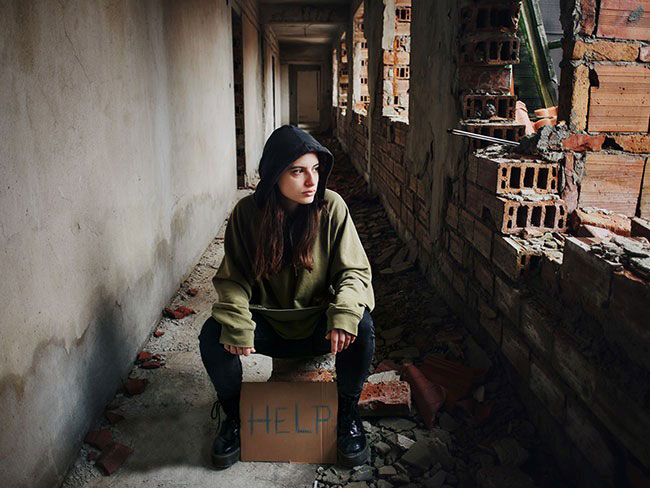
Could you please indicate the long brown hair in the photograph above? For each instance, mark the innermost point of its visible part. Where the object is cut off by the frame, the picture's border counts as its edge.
(283, 240)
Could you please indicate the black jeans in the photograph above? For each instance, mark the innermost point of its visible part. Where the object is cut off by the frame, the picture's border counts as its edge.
(225, 369)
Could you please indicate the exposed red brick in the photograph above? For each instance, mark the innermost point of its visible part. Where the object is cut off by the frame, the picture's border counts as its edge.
(624, 19)
(603, 51)
(429, 397)
(499, 17)
(100, 439)
(391, 398)
(456, 378)
(135, 386)
(587, 19)
(387, 365)
(152, 364)
(644, 54)
(193, 292)
(143, 356)
(511, 257)
(496, 50)
(612, 181)
(509, 130)
(636, 143)
(512, 216)
(113, 418)
(573, 103)
(481, 79)
(583, 142)
(503, 175)
(178, 312)
(489, 106)
(617, 224)
(620, 102)
(113, 457)
(158, 333)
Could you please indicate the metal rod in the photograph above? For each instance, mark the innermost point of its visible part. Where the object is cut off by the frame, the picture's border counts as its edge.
(472, 135)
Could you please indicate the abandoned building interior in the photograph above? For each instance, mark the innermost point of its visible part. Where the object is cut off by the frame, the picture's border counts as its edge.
(512, 280)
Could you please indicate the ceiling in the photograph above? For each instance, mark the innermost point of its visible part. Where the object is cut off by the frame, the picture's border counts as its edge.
(305, 21)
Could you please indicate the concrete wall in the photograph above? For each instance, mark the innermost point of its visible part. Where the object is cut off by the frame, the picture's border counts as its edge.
(271, 93)
(284, 93)
(117, 167)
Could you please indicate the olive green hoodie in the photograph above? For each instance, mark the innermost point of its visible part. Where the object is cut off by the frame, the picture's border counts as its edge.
(293, 300)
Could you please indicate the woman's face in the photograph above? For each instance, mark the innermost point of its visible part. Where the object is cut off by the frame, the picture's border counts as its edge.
(298, 183)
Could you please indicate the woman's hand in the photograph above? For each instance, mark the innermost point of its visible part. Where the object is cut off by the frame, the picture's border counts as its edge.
(339, 339)
(238, 351)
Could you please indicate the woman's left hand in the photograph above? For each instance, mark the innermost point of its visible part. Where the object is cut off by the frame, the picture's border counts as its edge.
(339, 339)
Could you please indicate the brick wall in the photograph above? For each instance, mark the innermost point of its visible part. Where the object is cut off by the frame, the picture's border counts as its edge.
(570, 325)
(605, 99)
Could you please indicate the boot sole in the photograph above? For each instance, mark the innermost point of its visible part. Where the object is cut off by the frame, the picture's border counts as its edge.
(223, 461)
(355, 459)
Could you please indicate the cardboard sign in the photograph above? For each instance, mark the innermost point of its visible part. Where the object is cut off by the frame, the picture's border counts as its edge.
(288, 422)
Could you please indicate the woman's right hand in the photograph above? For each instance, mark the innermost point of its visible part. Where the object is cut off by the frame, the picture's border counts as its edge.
(238, 351)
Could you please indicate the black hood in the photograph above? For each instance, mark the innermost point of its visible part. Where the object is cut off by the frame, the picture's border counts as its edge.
(283, 147)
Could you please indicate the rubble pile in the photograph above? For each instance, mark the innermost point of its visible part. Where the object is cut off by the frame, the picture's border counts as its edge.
(632, 254)
(479, 435)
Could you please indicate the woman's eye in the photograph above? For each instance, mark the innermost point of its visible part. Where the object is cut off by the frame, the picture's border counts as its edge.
(296, 171)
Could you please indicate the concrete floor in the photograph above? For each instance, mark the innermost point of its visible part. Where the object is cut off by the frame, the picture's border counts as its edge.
(169, 425)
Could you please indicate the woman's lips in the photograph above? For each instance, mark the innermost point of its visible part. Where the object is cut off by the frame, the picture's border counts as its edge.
(309, 193)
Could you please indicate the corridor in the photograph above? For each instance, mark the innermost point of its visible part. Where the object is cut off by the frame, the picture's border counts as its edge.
(170, 430)
(495, 156)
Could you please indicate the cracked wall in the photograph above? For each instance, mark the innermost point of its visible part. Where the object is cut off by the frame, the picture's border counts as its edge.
(114, 182)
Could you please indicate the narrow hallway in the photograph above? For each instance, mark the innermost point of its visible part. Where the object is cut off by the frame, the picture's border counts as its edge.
(483, 441)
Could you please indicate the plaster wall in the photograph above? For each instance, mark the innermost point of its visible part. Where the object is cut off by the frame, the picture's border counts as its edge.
(253, 95)
(271, 88)
(284, 93)
(117, 168)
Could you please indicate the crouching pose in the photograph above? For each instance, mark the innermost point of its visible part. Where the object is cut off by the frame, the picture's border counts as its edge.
(295, 281)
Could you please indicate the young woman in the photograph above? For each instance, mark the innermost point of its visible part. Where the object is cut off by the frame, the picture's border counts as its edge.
(295, 281)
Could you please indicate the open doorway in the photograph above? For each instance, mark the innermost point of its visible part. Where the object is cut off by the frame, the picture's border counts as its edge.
(305, 102)
(238, 71)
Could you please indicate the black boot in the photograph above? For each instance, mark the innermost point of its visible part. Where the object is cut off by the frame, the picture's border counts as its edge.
(351, 443)
(226, 447)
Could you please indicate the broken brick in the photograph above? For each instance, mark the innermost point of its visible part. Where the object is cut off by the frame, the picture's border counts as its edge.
(101, 438)
(618, 224)
(499, 51)
(583, 142)
(454, 377)
(484, 79)
(159, 333)
(428, 396)
(391, 398)
(636, 143)
(143, 356)
(154, 364)
(603, 51)
(489, 106)
(574, 96)
(113, 418)
(178, 312)
(135, 386)
(387, 365)
(644, 54)
(505, 175)
(113, 457)
(193, 292)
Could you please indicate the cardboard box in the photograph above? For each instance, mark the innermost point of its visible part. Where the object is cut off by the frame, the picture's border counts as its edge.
(289, 422)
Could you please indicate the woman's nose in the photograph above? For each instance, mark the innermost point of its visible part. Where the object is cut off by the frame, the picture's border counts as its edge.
(312, 179)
